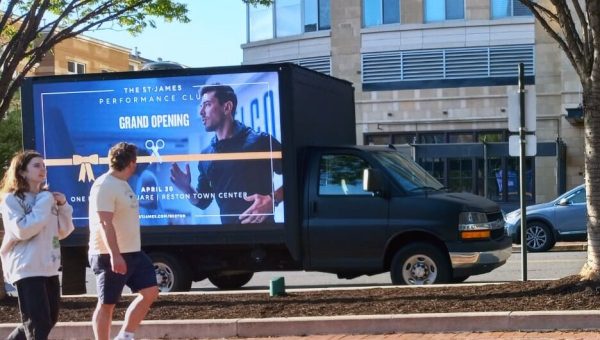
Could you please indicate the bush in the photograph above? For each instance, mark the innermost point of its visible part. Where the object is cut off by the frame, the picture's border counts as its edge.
(11, 136)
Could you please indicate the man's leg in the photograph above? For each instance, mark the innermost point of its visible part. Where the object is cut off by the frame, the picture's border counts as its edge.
(101, 321)
(137, 310)
(109, 286)
(143, 281)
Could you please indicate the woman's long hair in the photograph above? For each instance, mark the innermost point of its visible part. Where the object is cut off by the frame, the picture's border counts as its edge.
(13, 182)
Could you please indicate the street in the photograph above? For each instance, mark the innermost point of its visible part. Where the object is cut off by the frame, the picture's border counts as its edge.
(549, 265)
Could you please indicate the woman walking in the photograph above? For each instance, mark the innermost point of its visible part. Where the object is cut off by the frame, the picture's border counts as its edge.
(35, 219)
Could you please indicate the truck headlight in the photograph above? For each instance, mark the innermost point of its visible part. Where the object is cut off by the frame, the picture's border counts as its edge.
(475, 225)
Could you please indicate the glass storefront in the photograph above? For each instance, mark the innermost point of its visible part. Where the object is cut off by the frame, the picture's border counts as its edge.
(468, 161)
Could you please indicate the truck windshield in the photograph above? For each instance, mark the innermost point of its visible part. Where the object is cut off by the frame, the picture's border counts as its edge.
(409, 174)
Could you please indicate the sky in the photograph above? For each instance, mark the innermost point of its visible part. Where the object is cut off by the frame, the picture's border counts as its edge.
(212, 37)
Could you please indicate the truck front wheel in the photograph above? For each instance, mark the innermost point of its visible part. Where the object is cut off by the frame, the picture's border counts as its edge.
(419, 264)
(171, 274)
(230, 281)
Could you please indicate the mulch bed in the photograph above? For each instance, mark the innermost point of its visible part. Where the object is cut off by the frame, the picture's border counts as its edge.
(565, 294)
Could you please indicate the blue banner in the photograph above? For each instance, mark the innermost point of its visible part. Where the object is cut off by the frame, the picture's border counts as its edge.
(231, 165)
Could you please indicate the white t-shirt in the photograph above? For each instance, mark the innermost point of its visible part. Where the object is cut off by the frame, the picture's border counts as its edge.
(114, 195)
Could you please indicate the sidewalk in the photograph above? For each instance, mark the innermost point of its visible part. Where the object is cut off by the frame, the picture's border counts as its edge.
(490, 325)
(559, 246)
(507, 323)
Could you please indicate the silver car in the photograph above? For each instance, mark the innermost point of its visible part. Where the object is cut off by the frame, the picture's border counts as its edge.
(563, 219)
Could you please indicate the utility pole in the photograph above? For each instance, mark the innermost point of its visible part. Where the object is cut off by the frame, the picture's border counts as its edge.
(522, 170)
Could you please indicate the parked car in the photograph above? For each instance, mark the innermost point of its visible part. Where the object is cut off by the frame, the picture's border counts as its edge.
(563, 219)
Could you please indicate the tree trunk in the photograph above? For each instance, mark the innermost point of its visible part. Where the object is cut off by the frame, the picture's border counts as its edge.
(2, 290)
(591, 109)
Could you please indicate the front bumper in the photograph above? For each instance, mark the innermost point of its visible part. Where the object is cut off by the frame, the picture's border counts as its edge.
(467, 263)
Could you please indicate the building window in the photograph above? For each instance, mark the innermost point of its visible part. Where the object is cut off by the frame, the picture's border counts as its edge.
(404, 138)
(460, 137)
(440, 10)
(287, 17)
(508, 8)
(316, 15)
(379, 12)
(432, 138)
(377, 139)
(74, 67)
(437, 137)
(260, 21)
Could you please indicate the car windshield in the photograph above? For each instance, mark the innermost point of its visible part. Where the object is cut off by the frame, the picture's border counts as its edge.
(409, 174)
(576, 195)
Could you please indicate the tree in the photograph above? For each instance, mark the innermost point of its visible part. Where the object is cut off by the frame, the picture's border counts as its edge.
(10, 142)
(575, 26)
(30, 28)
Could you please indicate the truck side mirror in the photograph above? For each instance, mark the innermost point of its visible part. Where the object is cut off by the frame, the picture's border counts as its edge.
(372, 181)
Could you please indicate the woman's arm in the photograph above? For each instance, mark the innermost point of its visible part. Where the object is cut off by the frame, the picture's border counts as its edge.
(24, 224)
(65, 220)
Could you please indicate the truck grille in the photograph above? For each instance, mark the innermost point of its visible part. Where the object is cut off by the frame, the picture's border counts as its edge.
(494, 216)
(499, 231)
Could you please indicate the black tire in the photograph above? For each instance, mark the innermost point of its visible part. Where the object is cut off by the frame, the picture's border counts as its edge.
(172, 274)
(539, 237)
(419, 264)
(230, 281)
(74, 262)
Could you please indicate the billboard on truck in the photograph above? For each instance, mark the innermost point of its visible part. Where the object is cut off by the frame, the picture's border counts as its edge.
(170, 119)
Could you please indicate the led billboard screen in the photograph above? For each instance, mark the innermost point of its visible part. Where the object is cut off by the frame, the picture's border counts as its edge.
(220, 132)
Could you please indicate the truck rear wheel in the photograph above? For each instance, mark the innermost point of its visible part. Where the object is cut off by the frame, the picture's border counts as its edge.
(230, 281)
(419, 264)
(171, 274)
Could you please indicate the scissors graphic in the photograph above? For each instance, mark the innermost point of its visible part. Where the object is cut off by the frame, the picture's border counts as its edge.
(155, 146)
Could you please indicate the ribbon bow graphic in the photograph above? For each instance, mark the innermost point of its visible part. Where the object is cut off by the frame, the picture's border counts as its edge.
(86, 166)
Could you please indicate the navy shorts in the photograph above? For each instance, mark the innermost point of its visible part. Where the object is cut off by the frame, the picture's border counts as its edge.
(140, 274)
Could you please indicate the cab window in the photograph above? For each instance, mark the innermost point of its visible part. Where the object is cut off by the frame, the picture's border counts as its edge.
(341, 175)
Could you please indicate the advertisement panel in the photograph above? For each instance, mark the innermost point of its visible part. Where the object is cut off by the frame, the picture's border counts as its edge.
(188, 129)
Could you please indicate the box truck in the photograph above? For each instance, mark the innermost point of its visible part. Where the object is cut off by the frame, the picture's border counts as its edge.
(282, 187)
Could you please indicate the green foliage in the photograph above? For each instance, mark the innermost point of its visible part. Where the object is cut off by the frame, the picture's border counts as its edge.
(11, 136)
(259, 2)
(29, 29)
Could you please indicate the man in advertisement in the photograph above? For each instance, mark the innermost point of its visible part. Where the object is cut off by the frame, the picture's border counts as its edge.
(241, 181)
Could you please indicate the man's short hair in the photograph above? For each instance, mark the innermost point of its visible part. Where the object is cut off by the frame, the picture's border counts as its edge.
(121, 155)
(223, 93)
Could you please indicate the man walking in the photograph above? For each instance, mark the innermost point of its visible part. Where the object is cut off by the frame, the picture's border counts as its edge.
(115, 247)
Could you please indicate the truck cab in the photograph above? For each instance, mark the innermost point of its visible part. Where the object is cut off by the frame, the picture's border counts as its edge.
(372, 210)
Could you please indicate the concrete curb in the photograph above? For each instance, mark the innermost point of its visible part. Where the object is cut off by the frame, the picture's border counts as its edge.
(352, 324)
(560, 246)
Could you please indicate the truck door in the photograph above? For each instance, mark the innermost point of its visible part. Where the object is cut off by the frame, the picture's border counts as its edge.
(347, 226)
